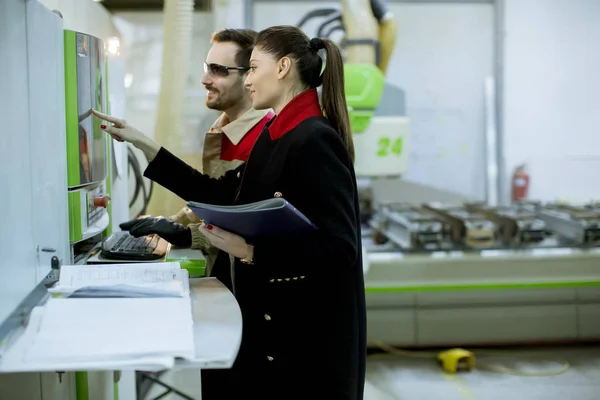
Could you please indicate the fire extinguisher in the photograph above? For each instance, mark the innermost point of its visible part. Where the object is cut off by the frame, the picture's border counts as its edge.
(520, 184)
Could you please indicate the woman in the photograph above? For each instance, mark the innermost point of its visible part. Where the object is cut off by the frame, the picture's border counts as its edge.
(301, 296)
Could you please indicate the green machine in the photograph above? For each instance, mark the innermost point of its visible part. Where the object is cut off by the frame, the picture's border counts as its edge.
(88, 147)
(376, 106)
(378, 120)
(364, 83)
(364, 87)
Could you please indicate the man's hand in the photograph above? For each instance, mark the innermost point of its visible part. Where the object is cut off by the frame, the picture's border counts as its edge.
(126, 226)
(172, 232)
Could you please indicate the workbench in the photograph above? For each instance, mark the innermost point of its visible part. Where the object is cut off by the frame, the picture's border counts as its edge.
(217, 337)
(498, 297)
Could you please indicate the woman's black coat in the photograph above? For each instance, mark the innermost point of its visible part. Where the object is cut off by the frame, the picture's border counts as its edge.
(303, 300)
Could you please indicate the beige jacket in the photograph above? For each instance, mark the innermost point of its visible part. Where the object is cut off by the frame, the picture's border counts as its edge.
(213, 166)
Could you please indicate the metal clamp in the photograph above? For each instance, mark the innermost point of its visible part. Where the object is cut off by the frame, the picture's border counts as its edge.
(361, 42)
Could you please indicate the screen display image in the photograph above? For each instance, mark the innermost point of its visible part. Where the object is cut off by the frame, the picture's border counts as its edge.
(90, 95)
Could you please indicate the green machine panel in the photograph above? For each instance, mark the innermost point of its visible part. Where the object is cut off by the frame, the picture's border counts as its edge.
(364, 85)
(87, 212)
(88, 147)
(110, 154)
(85, 80)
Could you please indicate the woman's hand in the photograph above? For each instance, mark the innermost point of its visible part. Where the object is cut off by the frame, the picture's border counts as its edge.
(227, 241)
(121, 131)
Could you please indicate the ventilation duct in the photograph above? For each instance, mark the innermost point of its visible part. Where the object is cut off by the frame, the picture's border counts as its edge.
(169, 128)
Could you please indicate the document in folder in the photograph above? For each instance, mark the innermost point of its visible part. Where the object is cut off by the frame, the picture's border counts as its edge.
(264, 218)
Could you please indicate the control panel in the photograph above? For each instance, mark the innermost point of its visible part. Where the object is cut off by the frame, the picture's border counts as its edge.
(97, 201)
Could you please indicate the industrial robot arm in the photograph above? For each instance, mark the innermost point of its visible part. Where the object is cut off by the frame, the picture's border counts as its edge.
(370, 36)
(388, 30)
(361, 39)
(371, 30)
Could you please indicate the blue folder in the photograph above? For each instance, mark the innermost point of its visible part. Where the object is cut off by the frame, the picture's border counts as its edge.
(269, 217)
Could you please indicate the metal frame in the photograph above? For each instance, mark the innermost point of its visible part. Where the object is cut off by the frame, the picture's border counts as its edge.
(248, 14)
(498, 43)
(499, 27)
(145, 381)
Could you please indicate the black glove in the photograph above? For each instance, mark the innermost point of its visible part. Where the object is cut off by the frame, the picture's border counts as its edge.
(126, 226)
(172, 232)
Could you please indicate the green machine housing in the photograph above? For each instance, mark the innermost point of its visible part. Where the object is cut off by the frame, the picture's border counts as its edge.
(88, 147)
(364, 85)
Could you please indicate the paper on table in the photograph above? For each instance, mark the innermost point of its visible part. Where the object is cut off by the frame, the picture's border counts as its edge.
(163, 289)
(84, 275)
(139, 280)
(14, 359)
(81, 330)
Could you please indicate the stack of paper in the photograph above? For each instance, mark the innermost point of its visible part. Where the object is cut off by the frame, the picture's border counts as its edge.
(123, 280)
(99, 330)
(110, 316)
(14, 360)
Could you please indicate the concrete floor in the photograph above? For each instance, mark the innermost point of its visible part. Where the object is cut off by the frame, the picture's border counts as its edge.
(393, 377)
(400, 378)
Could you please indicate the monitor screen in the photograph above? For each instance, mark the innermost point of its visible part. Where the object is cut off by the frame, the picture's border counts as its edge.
(90, 95)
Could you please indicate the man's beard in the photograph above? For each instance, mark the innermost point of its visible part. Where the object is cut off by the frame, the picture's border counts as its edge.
(219, 105)
(214, 105)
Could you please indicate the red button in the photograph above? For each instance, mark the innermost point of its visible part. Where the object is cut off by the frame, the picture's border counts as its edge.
(101, 201)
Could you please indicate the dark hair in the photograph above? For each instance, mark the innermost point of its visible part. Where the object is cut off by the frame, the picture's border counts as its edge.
(282, 41)
(244, 38)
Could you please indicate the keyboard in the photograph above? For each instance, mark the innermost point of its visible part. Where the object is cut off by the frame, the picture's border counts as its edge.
(123, 246)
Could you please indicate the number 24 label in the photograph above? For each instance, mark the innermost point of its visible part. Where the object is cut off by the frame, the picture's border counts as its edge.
(386, 146)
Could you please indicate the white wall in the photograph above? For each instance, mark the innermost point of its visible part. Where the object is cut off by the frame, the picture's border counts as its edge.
(85, 16)
(551, 103)
(442, 56)
(142, 35)
(552, 96)
(227, 14)
(118, 107)
(142, 44)
(141, 38)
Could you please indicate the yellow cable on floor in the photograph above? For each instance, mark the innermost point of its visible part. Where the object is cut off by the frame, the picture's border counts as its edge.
(485, 367)
(460, 385)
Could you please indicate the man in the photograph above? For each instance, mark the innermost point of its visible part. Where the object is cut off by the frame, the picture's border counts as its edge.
(228, 143)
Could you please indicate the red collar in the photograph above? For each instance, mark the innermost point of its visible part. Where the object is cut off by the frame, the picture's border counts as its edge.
(303, 106)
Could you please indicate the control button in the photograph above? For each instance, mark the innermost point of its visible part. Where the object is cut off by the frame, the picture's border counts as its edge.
(267, 317)
(269, 358)
(101, 201)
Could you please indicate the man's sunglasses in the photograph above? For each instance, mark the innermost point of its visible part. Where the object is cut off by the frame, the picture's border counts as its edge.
(221, 70)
